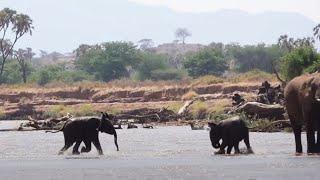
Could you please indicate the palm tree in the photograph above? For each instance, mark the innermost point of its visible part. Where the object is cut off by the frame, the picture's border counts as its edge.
(316, 32)
(19, 24)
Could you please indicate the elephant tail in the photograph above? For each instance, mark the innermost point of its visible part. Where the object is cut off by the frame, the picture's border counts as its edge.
(61, 129)
(116, 139)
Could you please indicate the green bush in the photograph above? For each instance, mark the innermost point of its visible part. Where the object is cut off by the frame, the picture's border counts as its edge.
(109, 61)
(298, 61)
(205, 62)
(167, 74)
(43, 78)
(150, 63)
(59, 73)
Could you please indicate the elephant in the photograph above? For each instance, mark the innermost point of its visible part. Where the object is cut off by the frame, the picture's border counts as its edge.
(231, 131)
(86, 130)
(303, 105)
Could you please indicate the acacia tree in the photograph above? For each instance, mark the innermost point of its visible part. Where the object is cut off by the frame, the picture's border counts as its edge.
(12, 27)
(182, 34)
(145, 44)
(24, 57)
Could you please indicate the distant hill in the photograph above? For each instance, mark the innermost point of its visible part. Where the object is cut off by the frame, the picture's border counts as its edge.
(95, 21)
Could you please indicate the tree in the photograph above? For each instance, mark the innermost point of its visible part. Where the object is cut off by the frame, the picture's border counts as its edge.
(24, 57)
(150, 62)
(19, 24)
(205, 62)
(302, 59)
(316, 32)
(108, 61)
(286, 43)
(182, 34)
(145, 44)
(251, 57)
(289, 44)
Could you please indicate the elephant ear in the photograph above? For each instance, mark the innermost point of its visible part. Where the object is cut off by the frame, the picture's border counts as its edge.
(307, 86)
(103, 116)
(107, 115)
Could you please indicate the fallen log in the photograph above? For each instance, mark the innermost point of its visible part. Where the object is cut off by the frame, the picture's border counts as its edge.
(283, 123)
(185, 107)
(274, 111)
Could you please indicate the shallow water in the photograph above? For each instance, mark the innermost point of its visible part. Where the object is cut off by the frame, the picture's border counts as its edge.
(161, 153)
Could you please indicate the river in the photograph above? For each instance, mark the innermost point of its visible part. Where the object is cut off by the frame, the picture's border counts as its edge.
(174, 152)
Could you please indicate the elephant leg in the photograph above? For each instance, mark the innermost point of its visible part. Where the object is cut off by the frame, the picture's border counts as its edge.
(297, 137)
(318, 141)
(247, 142)
(65, 147)
(307, 117)
(236, 148)
(76, 147)
(230, 146)
(310, 139)
(87, 147)
(96, 143)
(222, 147)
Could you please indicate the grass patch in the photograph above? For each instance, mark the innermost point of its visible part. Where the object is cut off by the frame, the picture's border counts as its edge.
(207, 80)
(56, 111)
(199, 110)
(175, 106)
(219, 106)
(252, 76)
(2, 112)
(189, 95)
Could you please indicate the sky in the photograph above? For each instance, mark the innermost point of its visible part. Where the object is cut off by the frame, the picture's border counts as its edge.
(309, 8)
(62, 25)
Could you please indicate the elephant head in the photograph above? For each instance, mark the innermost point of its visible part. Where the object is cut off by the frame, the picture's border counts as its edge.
(107, 127)
(311, 88)
(215, 134)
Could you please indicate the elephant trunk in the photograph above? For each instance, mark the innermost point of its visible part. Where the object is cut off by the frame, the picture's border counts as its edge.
(116, 140)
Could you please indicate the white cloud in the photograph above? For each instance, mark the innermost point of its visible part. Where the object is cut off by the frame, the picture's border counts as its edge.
(309, 8)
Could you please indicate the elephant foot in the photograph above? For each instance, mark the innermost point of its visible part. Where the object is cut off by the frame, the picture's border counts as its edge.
(75, 152)
(60, 152)
(84, 150)
(250, 151)
(220, 152)
(298, 154)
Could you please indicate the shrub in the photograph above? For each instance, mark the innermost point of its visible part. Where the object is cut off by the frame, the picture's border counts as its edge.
(298, 61)
(207, 80)
(252, 76)
(167, 74)
(205, 62)
(43, 78)
(189, 95)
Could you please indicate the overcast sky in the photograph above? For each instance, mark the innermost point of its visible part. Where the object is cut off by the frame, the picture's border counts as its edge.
(62, 25)
(309, 8)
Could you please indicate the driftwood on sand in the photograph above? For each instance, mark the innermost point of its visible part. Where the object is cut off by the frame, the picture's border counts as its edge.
(269, 111)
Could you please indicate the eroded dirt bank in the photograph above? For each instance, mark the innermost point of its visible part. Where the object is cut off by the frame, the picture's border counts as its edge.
(44, 102)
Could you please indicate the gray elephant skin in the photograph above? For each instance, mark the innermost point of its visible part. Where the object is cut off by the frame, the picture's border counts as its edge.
(86, 130)
(231, 131)
(302, 102)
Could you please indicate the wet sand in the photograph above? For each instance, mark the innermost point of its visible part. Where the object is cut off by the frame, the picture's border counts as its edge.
(161, 153)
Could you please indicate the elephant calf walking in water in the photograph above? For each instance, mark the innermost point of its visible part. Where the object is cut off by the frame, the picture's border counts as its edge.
(86, 130)
(231, 131)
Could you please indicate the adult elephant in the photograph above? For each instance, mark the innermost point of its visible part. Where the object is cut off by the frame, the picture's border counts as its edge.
(86, 130)
(303, 105)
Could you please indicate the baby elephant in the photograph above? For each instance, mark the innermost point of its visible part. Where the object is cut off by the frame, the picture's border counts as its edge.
(231, 131)
(86, 130)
